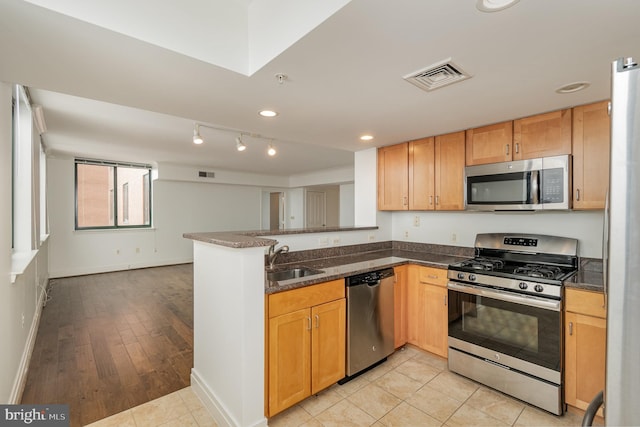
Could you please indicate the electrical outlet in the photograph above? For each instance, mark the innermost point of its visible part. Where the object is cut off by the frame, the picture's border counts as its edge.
(336, 240)
(323, 241)
(117, 251)
(416, 221)
(137, 250)
(454, 237)
(22, 320)
(372, 237)
(406, 234)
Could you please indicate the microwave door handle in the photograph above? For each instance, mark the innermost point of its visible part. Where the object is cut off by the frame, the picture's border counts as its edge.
(534, 196)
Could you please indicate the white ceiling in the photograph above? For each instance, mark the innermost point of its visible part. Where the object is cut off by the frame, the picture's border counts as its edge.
(113, 96)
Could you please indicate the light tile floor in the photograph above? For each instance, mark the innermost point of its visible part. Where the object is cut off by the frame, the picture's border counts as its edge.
(412, 388)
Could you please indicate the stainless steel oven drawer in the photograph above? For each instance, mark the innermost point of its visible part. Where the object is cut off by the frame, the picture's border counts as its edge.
(526, 388)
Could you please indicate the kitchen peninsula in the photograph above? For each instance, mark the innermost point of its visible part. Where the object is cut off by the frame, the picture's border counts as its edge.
(229, 307)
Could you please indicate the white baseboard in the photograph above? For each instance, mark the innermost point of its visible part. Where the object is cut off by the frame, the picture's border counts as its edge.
(21, 376)
(214, 406)
(82, 271)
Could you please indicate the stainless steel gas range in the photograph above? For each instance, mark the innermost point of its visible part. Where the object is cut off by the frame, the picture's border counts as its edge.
(505, 315)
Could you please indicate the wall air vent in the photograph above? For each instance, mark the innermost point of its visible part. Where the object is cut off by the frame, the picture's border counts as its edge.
(437, 75)
(203, 174)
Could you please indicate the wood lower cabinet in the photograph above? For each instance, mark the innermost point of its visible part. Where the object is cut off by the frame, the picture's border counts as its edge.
(591, 147)
(400, 306)
(585, 337)
(427, 310)
(306, 337)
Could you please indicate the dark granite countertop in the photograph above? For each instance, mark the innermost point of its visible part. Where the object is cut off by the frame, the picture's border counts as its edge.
(589, 277)
(349, 265)
(256, 238)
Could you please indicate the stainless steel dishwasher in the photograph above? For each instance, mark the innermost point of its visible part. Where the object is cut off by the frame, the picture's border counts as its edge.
(370, 336)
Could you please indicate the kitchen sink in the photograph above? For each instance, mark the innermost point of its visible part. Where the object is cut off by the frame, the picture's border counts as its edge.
(291, 273)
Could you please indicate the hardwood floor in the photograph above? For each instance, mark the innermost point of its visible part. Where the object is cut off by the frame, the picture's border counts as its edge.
(109, 342)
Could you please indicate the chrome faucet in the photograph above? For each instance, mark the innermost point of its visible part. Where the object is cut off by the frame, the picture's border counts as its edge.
(273, 254)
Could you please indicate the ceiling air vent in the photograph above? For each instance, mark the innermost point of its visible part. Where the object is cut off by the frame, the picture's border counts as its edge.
(203, 174)
(437, 75)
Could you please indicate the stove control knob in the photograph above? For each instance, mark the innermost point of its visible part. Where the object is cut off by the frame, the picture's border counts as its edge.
(461, 276)
(472, 277)
(538, 288)
(523, 285)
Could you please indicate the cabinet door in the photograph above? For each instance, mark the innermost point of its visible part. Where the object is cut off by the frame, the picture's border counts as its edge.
(436, 319)
(591, 146)
(421, 174)
(489, 144)
(543, 135)
(289, 359)
(328, 356)
(449, 179)
(393, 182)
(400, 306)
(585, 350)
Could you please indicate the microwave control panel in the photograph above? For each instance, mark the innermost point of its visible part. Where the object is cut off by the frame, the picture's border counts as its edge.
(552, 190)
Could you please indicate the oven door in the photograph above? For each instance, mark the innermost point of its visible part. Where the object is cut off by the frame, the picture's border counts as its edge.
(517, 331)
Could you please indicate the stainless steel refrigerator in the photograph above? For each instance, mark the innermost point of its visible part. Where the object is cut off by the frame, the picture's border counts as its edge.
(622, 272)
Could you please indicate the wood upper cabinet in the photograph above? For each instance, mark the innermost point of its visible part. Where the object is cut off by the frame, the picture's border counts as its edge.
(585, 336)
(489, 144)
(425, 174)
(427, 311)
(422, 174)
(449, 171)
(591, 150)
(393, 170)
(543, 135)
(306, 340)
(400, 306)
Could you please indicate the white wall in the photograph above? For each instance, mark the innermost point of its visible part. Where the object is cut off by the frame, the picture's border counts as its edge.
(20, 298)
(346, 205)
(440, 227)
(178, 207)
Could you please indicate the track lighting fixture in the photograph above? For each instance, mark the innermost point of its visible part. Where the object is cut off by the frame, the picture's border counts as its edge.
(197, 139)
(239, 144)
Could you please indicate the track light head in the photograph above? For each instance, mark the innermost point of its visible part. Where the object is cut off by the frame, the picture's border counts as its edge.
(197, 139)
(271, 151)
(239, 144)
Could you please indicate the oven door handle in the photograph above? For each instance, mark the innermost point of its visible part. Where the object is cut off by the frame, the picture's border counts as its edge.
(506, 296)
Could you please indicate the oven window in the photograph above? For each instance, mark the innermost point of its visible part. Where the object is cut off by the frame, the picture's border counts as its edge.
(528, 333)
(506, 327)
(508, 188)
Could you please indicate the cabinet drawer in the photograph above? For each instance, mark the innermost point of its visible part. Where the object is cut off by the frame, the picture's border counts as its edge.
(432, 276)
(585, 302)
(296, 299)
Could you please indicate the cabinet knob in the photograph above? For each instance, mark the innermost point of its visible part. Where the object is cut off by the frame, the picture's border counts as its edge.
(570, 328)
(577, 194)
(404, 201)
(317, 321)
(437, 200)
(517, 147)
(309, 326)
(430, 200)
(506, 149)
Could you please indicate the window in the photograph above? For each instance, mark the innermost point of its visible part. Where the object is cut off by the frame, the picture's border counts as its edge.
(112, 195)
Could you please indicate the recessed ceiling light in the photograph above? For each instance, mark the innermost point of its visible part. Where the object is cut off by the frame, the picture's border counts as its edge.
(494, 5)
(366, 137)
(268, 113)
(573, 87)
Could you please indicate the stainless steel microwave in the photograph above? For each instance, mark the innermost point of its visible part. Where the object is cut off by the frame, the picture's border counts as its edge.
(533, 184)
